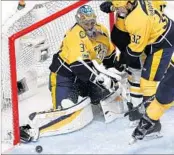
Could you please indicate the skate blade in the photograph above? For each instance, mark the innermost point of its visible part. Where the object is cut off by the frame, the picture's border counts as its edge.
(146, 138)
(152, 136)
(132, 141)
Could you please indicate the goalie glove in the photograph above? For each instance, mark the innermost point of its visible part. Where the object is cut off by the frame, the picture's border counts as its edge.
(106, 82)
(28, 134)
(100, 68)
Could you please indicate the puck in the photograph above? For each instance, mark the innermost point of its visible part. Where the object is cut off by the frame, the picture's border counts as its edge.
(39, 149)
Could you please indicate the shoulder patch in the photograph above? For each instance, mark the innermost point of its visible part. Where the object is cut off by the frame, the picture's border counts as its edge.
(82, 34)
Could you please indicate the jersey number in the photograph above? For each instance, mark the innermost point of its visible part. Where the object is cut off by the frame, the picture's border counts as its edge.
(82, 47)
(136, 38)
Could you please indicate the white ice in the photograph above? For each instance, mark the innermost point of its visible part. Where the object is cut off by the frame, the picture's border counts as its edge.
(97, 137)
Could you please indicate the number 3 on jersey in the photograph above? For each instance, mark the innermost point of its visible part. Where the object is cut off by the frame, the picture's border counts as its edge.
(82, 47)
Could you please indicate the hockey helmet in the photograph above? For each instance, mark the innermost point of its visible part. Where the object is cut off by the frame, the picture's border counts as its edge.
(86, 17)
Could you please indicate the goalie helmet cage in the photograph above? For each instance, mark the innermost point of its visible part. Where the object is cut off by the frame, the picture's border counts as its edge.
(17, 56)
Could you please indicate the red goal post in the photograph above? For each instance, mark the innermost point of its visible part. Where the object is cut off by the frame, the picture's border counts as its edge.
(13, 61)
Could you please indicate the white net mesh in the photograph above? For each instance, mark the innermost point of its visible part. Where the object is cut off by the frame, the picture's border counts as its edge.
(26, 61)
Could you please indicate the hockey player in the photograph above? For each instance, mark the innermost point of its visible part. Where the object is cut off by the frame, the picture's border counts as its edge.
(73, 75)
(134, 70)
(149, 123)
(150, 31)
(89, 41)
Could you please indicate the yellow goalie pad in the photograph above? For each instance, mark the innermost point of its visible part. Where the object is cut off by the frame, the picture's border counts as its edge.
(57, 122)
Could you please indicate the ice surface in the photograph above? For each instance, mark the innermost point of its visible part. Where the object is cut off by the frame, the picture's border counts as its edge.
(97, 137)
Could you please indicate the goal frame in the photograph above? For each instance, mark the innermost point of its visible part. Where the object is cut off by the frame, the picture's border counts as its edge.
(12, 59)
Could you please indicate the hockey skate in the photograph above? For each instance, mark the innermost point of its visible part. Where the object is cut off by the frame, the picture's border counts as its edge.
(147, 128)
(28, 134)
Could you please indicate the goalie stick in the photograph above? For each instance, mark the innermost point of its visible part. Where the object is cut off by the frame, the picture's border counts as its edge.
(115, 77)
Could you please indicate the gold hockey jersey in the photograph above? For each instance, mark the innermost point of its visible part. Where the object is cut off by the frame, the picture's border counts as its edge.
(157, 4)
(145, 24)
(77, 44)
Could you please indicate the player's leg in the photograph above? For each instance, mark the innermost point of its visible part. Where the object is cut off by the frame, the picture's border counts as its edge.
(121, 39)
(149, 123)
(164, 95)
(136, 96)
(62, 88)
(134, 76)
(153, 71)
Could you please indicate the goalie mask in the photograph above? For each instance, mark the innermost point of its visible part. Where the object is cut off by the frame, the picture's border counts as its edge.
(86, 18)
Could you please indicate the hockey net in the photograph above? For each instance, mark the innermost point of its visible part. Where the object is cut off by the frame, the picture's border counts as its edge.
(29, 39)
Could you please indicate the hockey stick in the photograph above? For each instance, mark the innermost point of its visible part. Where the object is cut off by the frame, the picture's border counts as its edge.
(113, 76)
(141, 104)
(87, 66)
(111, 110)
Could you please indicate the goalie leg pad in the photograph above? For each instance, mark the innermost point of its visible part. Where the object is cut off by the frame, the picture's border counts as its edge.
(68, 123)
(56, 122)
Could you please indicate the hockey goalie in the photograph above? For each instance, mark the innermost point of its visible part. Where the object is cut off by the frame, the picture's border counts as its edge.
(83, 72)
